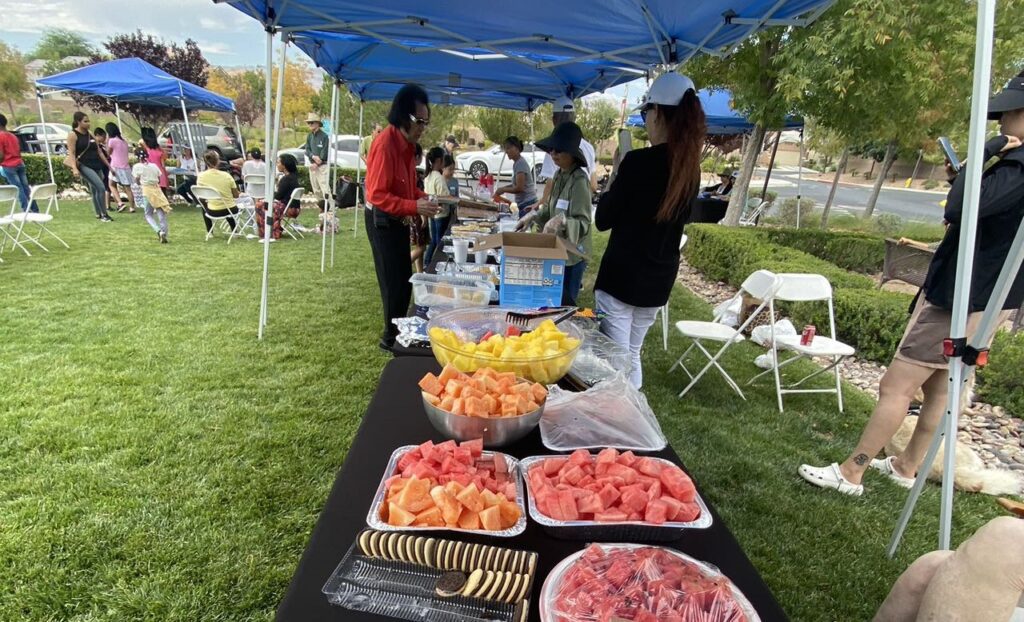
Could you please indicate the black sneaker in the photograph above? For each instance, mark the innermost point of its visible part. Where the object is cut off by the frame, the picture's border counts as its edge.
(106, 219)
(163, 238)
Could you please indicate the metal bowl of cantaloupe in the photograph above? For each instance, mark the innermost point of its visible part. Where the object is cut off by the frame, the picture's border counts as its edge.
(496, 431)
(476, 337)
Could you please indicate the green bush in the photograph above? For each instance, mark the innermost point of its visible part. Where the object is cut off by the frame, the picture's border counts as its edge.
(787, 211)
(605, 160)
(771, 195)
(850, 251)
(871, 321)
(1000, 382)
(35, 168)
(304, 176)
(930, 184)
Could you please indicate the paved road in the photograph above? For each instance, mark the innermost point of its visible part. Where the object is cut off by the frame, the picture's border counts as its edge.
(908, 204)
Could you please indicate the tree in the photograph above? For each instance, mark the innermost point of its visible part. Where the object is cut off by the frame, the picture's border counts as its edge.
(598, 118)
(13, 81)
(58, 43)
(298, 93)
(185, 62)
(246, 92)
(498, 124)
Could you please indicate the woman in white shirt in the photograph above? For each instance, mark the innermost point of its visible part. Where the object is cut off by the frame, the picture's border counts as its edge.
(436, 185)
(253, 165)
(187, 163)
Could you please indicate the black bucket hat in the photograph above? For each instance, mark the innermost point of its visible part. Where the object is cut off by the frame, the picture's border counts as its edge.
(1009, 99)
(565, 138)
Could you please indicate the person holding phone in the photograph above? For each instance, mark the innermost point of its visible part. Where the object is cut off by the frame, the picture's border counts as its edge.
(919, 362)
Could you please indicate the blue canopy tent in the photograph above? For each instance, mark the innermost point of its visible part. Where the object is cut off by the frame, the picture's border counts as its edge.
(133, 80)
(539, 34)
(722, 117)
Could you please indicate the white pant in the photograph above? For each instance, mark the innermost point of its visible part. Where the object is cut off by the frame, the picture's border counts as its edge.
(626, 325)
(320, 181)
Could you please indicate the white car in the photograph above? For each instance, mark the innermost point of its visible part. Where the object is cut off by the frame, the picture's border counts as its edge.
(55, 135)
(494, 161)
(345, 151)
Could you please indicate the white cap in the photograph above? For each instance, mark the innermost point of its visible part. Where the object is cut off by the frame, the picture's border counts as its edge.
(667, 89)
(563, 104)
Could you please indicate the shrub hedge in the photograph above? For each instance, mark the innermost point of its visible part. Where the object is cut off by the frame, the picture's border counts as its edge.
(1001, 382)
(852, 251)
(872, 321)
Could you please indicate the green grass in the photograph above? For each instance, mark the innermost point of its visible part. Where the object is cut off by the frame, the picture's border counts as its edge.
(157, 462)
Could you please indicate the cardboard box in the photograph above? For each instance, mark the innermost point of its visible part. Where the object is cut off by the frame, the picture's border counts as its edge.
(532, 267)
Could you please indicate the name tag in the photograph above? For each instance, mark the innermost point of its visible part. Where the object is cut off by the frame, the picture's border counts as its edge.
(562, 205)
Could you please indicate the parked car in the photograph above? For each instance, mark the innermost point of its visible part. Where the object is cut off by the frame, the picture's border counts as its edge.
(36, 136)
(219, 138)
(345, 151)
(494, 161)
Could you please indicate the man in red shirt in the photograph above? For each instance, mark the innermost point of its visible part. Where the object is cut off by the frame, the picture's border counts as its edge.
(392, 198)
(12, 167)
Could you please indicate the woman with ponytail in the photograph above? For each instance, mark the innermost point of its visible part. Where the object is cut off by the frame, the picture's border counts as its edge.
(645, 209)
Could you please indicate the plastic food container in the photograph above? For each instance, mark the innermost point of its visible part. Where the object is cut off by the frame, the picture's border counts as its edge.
(638, 531)
(495, 431)
(471, 324)
(549, 591)
(432, 290)
(374, 521)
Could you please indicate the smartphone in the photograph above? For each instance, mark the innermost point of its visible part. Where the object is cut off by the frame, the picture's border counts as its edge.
(947, 147)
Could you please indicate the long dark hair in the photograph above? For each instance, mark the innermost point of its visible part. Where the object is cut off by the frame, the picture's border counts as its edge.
(113, 131)
(289, 163)
(435, 154)
(685, 127)
(77, 118)
(149, 137)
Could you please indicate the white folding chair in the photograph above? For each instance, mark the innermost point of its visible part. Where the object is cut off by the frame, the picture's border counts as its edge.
(206, 193)
(760, 285)
(43, 193)
(755, 207)
(664, 310)
(806, 288)
(255, 187)
(9, 194)
(288, 223)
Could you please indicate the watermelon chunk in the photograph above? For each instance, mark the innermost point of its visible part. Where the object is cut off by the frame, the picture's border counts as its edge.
(607, 455)
(674, 506)
(589, 503)
(689, 512)
(634, 499)
(656, 512)
(572, 475)
(610, 516)
(648, 466)
(627, 474)
(608, 495)
(567, 506)
(579, 457)
(553, 465)
(475, 446)
(627, 458)
(678, 484)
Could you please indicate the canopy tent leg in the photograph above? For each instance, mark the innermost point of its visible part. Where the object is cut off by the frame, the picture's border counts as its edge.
(238, 133)
(359, 173)
(46, 142)
(328, 213)
(336, 111)
(188, 133)
(799, 176)
(959, 371)
(117, 113)
(280, 97)
(268, 186)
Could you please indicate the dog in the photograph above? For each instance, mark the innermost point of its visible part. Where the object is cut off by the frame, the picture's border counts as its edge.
(971, 473)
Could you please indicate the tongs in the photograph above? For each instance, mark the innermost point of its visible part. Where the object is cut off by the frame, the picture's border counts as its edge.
(522, 319)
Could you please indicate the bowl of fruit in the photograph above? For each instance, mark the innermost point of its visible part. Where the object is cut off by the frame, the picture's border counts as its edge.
(499, 408)
(473, 338)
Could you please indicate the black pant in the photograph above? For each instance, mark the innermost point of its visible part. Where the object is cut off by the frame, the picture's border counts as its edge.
(184, 189)
(389, 241)
(217, 213)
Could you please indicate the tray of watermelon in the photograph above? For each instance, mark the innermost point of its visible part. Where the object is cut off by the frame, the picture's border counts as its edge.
(612, 496)
(450, 486)
(638, 583)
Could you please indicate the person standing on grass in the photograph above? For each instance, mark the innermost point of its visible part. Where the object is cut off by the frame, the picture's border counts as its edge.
(435, 185)
(391, 198)
(100, 135)
(364, 147)
(919, 362)
(317, 152)
(146, 176)
(88, 163)
(155, 155)
(419, 234)
(523, 188)
(120, 170)
(12, 167)
(645, 209)
(564, 111)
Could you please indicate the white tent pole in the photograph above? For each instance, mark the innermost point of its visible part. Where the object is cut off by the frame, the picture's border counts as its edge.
(799, 176)
(334, 182)
(46, 141)
(188, 132)
(964, 274)
(241, 141)
(268, 185)
(117, 113)
(359, 173)
(280, 96)
(330, 181)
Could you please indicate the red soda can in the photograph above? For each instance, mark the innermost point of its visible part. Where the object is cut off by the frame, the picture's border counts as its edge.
(808, 335)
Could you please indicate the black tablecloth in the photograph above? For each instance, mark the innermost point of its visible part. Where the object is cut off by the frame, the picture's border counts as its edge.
(394, 418)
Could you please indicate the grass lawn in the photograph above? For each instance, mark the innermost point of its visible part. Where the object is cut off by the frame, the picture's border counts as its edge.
(159, 463)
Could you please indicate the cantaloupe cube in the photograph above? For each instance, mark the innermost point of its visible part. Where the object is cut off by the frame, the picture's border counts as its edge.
(487, 372)
(430, 517)
(509, 410)
(431, 384)
(490, 518)
(447, 403)
(431, 399)
(539, 392)
(469, 520)
(453, 388)
(449, 373)
(470, 497)
(523, 405)
(458, 407)
(509, 513)
(489, 498)
(507, 376)
(415, 496)
(450, 507)
(399, 517)
(475, 407)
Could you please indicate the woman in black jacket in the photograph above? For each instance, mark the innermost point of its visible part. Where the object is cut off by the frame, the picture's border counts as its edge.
(919, 362)
(645, 209)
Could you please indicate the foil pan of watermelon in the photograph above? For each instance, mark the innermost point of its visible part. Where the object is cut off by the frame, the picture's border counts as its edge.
(599, 495)
(638, 583)
(485, 459)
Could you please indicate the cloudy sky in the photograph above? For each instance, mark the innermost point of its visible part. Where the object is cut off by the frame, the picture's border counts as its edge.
(225, 36)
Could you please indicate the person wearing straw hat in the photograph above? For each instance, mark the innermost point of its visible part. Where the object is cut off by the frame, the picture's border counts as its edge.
(568, 211)
(919, 362)
(721, 190)
(317, 149)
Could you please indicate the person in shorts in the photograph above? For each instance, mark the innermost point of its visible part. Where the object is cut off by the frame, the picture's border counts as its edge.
(919, 362)
(120, 169)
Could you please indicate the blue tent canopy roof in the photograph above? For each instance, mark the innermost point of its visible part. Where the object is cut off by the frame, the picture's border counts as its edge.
(636, 33)
(375, 70)
(133, 80)
(722, 118)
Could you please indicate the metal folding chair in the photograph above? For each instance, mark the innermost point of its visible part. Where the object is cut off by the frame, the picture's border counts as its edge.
(255, 187)
(806, 288)
(32, 226)
(755, 208)
(205, 194)
(664, 310)
(760, 285)
(9, 194)
(287, 223)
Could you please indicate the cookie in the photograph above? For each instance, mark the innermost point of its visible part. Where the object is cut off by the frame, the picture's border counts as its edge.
(450, 584)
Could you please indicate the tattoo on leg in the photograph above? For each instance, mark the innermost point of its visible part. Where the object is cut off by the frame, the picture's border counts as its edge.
(861, 459)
